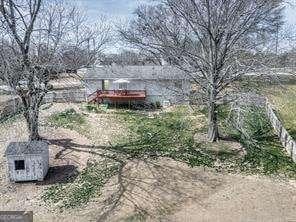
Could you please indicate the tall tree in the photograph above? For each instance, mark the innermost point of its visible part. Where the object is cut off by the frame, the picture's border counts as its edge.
(34, 36)
(207, 39)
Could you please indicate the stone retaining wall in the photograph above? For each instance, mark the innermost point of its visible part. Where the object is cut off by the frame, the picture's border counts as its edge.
(64, 96)
(285, 138)
(12, 106)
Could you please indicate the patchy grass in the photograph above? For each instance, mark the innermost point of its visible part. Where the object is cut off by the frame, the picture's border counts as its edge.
(264, 153)
(94, 108)
(172, 134)
(281, 92)
(169, 134)
(284, 98)
(267, 157)
(86, 186)
(69, 119)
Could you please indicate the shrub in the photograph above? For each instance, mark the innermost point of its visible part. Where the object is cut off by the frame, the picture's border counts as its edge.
(157, 105)
(257, 125)
(92, 108)
(264, 152)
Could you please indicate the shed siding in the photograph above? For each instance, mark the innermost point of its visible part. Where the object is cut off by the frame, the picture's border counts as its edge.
(33, 169)
(36, 167)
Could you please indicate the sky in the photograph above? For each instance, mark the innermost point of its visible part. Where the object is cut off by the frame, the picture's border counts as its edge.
(114, 9)
(122, 10)
(290, 12)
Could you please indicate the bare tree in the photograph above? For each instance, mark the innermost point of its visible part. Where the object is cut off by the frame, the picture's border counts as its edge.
(208, 39)
(34, 37)
(127, 57)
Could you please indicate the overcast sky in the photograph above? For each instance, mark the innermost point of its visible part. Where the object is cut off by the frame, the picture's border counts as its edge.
(122, 10)
(290, 12)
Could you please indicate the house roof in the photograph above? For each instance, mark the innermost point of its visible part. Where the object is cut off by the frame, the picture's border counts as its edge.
(133, 72)
(23, 148)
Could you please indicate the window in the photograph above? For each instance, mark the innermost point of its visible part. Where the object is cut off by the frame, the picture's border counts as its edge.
(105, 84)
(123, 86)
(19, 164)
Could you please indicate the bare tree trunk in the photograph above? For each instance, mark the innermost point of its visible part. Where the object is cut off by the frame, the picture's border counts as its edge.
(33, 125)
(213, 132)
(31, 113)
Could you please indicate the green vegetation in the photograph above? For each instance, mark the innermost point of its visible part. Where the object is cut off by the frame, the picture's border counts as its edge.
(69, 119)
(264, 153)
(284, 98)
(86, 186)
(157, 105)
(173, 134)
(167, 134)
(281, 91)
(94, 108)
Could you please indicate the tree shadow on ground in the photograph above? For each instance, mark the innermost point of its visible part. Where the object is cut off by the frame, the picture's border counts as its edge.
(144, 186)
(60, 174)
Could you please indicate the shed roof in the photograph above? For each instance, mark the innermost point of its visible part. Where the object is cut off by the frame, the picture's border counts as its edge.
(133, 72)
(26, 148)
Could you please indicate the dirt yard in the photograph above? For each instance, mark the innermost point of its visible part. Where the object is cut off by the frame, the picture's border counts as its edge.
(143, 190)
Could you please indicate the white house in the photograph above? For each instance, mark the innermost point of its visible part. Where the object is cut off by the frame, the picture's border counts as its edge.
(154, 83)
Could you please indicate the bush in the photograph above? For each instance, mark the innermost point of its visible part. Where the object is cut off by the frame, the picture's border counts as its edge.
(264, 151)
(157, 105)
(92, 108)
(257, 126)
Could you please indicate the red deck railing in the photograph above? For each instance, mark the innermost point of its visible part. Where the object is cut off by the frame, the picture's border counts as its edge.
(117, 95)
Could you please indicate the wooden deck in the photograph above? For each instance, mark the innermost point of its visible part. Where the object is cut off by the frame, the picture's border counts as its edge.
(117, 95)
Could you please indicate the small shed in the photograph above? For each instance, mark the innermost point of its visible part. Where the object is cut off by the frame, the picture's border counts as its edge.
(27, 161)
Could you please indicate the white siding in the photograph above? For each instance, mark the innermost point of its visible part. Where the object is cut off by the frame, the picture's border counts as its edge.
(174, 91)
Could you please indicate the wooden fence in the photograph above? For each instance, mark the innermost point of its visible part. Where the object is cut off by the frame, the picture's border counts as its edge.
(247, 99)
(285, 138)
